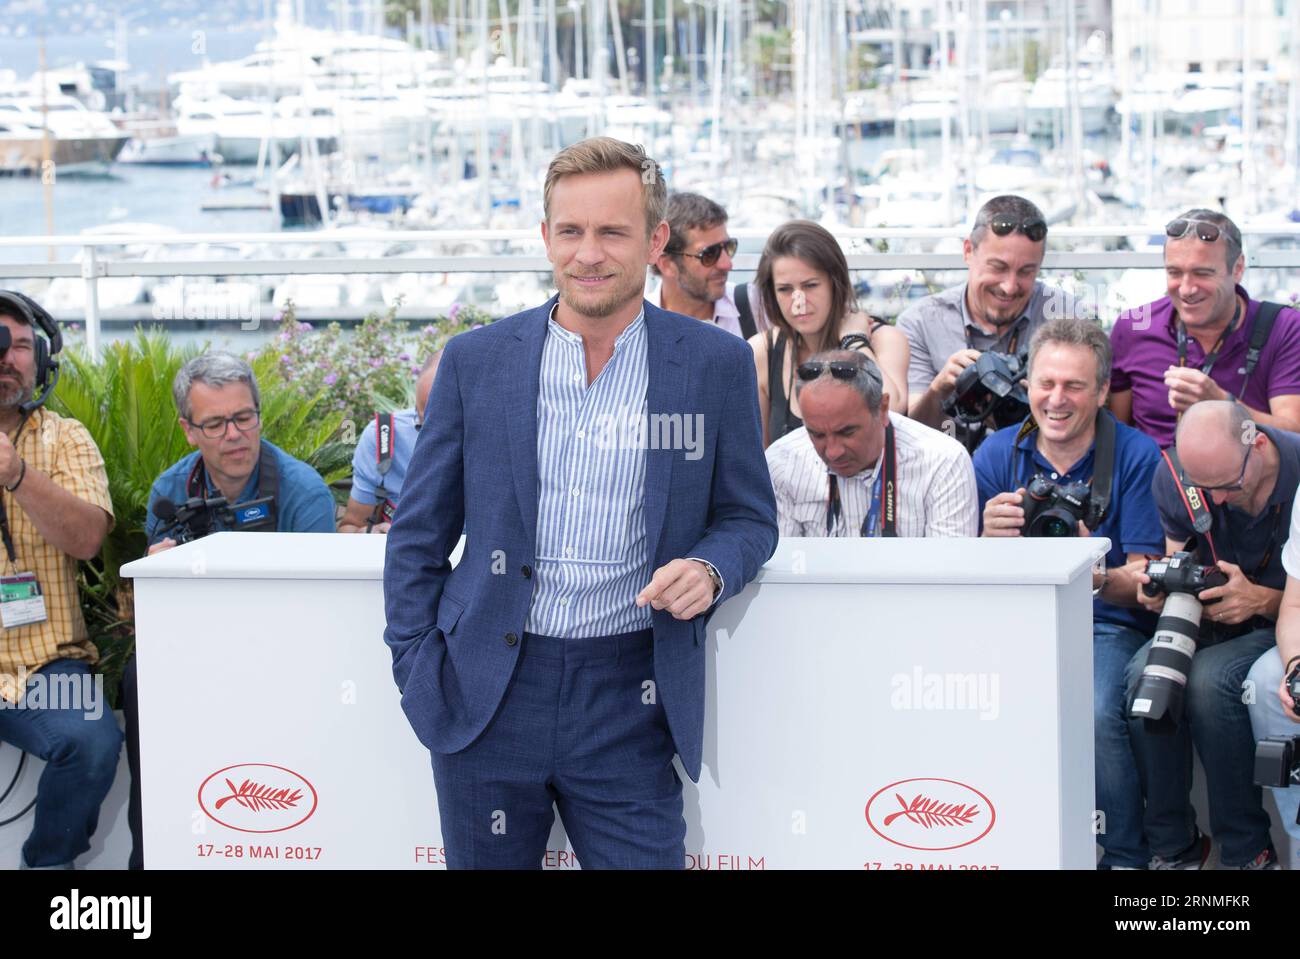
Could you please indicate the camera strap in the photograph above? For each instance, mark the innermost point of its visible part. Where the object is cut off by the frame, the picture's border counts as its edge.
(384, 441)
(1103, 470)
(1194, 500)
(882, 514)
(268, 481)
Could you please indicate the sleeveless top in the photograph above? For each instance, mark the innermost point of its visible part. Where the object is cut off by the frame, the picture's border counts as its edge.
(780, 418)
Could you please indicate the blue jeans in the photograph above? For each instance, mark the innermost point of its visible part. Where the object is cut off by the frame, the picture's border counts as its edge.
(1268, 718)
(1119, 787)
(78, 738)
(579, 727)
(1216, 720)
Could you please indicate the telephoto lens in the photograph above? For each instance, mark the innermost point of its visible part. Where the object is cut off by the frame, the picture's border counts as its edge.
(1160, 691)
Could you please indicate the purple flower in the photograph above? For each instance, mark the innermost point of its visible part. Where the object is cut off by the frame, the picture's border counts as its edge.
(285, 359)
(403, 357)
(284, 337)
(330, 379)
(304, 327)
(455, 308)
(279, 316)
(376, 363)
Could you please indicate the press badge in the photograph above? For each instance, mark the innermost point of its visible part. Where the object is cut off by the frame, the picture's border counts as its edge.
(21, 600)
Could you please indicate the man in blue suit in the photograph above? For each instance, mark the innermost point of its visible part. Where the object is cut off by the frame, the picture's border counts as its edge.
(604, 461)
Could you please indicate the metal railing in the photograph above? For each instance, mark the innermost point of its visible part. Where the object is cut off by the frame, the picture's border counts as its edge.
(91, 264)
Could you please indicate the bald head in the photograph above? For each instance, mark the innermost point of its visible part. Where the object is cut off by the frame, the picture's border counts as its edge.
(1214, 441)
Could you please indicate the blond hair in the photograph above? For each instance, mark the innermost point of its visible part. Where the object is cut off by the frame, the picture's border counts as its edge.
(607, 155)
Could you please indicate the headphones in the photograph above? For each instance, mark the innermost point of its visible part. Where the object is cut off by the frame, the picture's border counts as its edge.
(27, 310)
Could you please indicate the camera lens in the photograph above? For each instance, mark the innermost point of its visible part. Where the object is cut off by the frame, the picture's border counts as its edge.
(1055, 526)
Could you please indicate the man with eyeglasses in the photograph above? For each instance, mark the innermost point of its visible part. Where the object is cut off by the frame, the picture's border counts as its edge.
(1229, 484)
(853, 469)
(998, 308)
(217, 397)
(379, 462)
(1206, 339)
(1067, 438)
(694, 267)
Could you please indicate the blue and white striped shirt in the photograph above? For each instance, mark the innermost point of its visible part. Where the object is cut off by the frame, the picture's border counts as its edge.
(592, 558)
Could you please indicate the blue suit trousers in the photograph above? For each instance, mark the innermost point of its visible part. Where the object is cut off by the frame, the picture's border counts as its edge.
(580, 727)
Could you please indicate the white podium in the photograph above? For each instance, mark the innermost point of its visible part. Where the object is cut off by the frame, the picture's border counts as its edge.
(905, 704)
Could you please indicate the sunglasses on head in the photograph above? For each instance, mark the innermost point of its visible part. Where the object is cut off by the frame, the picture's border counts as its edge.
(710, 254)
(1177, 229)
(840, 369)
(1035, 229)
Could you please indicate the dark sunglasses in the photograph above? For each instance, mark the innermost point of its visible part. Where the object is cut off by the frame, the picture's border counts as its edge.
(1177, 229)
(840, 369)
(1225, 487)
(710, 254)
(1035, 228)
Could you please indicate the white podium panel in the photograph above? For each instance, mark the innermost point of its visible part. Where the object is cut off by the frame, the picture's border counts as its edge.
(905, 704)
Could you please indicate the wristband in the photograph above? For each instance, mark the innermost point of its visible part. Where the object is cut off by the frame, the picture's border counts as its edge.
(22, 474)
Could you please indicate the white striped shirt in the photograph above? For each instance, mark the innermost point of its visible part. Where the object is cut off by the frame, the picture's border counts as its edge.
(592, 558)
(937, 495)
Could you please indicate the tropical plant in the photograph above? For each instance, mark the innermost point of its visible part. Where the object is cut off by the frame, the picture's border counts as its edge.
(125, 402)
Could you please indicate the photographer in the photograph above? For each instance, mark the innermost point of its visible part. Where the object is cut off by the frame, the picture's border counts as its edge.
(381, 457)
(998, 308)
(1067, 439)
(54, 511)
(1237, 484)
(1206, 339)
(1273, 711)
(219, 405)
(855, 469)
(217, 398)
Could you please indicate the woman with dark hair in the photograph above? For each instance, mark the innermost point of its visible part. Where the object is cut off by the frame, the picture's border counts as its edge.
(805, 291)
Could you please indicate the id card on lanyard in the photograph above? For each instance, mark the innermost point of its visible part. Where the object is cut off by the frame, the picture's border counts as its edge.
(22, 601)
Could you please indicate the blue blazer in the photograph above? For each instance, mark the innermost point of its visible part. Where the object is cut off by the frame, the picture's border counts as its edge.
(454, 633)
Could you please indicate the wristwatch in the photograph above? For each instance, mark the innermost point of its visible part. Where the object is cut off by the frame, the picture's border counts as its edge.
(713, 575)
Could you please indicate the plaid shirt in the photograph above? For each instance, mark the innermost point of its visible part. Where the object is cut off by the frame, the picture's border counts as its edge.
(63, 450)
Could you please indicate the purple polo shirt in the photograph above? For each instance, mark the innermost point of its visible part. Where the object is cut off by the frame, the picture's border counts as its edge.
(1145, 344)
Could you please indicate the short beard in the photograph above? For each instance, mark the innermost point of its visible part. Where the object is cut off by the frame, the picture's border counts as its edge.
(16, 396)
(598, 309)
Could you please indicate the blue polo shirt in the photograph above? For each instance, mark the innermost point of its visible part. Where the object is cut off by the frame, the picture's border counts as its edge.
(303, 503)
(1239, 537)
(1003, 465)
(365, 461)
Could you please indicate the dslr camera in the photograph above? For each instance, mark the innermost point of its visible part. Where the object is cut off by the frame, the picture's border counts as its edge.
(990, 388)
(198, 517)
(1055, 509)
(1164, 677)
(1277, 759)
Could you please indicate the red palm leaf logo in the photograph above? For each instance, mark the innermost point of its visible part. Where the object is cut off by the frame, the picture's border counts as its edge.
(930, 812)
(256, 797)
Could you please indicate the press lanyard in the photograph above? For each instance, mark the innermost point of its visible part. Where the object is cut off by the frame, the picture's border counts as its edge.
(1213, 355)
(882, 515)
(5, 534)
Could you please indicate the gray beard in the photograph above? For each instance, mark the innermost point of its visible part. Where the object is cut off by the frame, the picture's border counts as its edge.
(15, 397)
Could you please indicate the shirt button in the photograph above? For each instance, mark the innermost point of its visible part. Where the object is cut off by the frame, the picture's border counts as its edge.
(511, 639)
(564, 601)
(568, 551)
(577, 377)
(527, 571)
(575, 491)
(1053, 476)
(581, 434)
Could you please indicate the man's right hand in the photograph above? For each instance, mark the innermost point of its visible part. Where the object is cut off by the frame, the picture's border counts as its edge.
(1288, 704)
(946, 381)
(1003, 514)
(161, 545)
(1154, 604)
